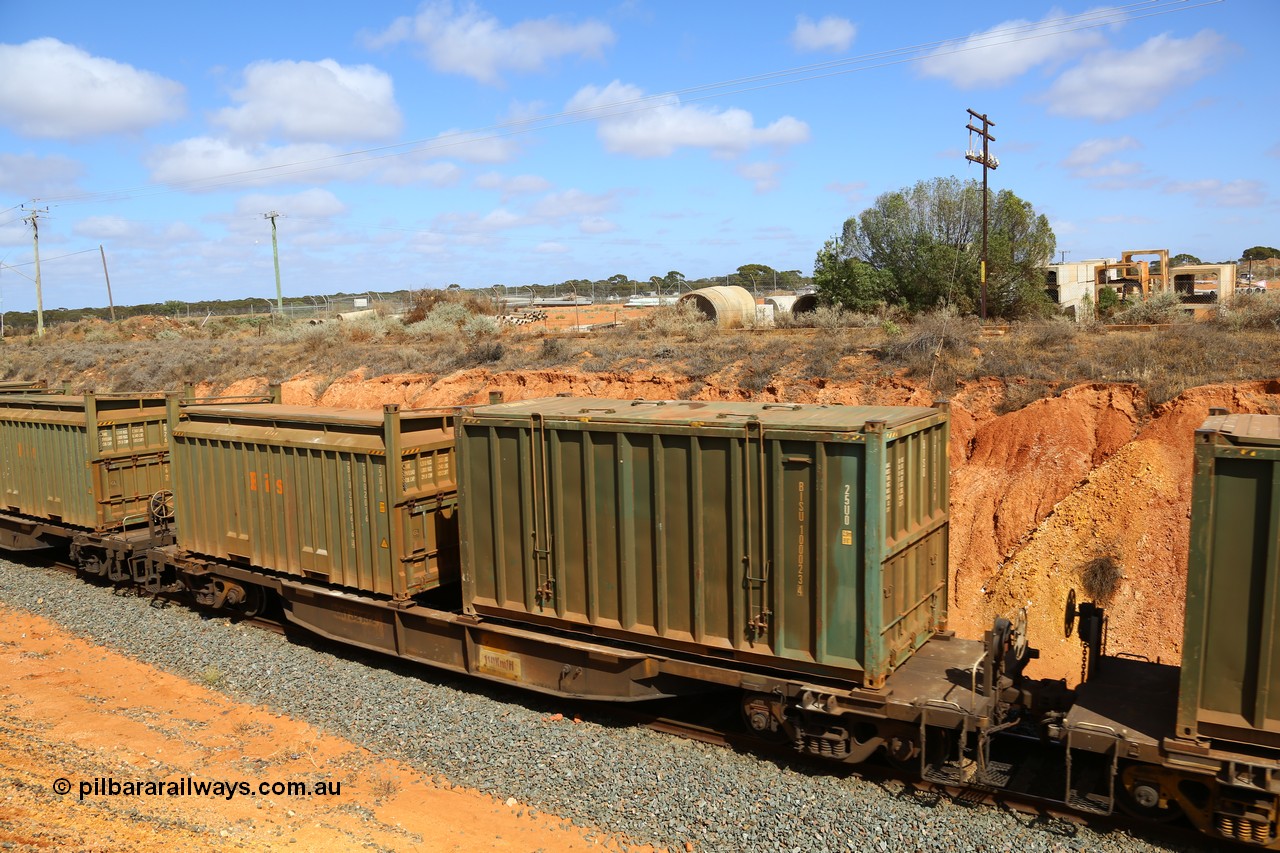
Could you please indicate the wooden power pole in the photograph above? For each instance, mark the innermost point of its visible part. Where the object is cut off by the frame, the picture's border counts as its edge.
(275, 254)
(111, 302)
(34, 219)
(987, 161)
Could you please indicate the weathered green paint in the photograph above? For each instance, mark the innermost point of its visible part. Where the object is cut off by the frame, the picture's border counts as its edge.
(1230, 681)
(814, 534)
(89, 462)
(365, 500)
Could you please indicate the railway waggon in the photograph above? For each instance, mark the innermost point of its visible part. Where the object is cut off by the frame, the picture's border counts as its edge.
(793, 557)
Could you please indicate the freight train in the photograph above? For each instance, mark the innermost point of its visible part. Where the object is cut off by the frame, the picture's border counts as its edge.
(792, 557)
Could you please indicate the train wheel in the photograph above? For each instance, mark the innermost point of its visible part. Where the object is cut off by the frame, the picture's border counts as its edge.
(256, 601)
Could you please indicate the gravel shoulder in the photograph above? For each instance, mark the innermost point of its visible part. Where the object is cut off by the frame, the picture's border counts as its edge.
(313, 712)
(73, 711)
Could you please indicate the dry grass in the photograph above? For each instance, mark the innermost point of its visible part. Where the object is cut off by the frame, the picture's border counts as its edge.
(939, 350)
(1101, 577)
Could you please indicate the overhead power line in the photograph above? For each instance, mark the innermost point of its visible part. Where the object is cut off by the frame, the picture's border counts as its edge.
(1093, 19)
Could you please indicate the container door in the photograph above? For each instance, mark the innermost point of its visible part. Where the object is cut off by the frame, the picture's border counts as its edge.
(544, 575)
(758, 563)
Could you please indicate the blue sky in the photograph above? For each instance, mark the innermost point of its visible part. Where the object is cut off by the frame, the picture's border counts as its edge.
(414, 145)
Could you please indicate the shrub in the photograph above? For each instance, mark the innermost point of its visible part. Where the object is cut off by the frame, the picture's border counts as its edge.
(1156, 309)
(1250, 311)
(1101, 577)
(931, 334)
(671, 321)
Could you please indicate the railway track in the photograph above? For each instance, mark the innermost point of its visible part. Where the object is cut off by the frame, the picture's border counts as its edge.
(687, 718)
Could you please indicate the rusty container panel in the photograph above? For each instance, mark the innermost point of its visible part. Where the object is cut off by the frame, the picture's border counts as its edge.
(91, 462)
(365, 500)
(812, 534)
(1230, 688)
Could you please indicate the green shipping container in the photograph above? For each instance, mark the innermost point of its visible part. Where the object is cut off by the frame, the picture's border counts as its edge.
(365, 500)
(811, 537)
(1230, 686)
(90, 462)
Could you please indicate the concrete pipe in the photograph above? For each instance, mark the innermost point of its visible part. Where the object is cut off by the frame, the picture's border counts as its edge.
(724, 306)
(781, 304)
(806, 304)
(357, 315)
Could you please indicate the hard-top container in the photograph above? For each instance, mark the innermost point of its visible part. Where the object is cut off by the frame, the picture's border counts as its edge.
(1230, 686)
(91, 462)
(813, 537)
(358, 499)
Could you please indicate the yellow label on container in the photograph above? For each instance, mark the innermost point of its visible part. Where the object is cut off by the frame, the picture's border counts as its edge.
(846, 537)
(501, 664)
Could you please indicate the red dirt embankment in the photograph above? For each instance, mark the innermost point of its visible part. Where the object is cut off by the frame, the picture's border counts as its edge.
(1035, 493)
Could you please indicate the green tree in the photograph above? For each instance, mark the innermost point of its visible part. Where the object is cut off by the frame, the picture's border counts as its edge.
(751, 276)
(850, 282)
(1183, 259)
(927, 238)
(1260, 253)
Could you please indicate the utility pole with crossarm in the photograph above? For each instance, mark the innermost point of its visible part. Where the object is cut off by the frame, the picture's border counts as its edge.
(987, 161)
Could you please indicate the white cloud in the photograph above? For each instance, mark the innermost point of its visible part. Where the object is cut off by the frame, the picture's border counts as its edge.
(54, 90)
(308, 204)
(1092, 151)
(831, 33)
(205, 163)
(472, 42)
(597, 225)
(106, 228)
(181, 232)
(854, 191)
(1212, 192)
(512, 186)
(312, 102)
(551, 248)
(1123, 219)
(473, 147)
(209, 163)
(573, 203)
(1086, 160)
(661, 129)
(499, 219)
(32, 176)
(408, 171)
(1115, 84)
(763, 175)
(997, 55)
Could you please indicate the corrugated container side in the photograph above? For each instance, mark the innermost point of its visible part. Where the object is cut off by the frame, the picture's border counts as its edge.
(1230, 682)
(91, 462)
(712, 534)
(355, 499)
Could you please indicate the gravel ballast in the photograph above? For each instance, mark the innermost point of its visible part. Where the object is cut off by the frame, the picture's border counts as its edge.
(623, 779)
